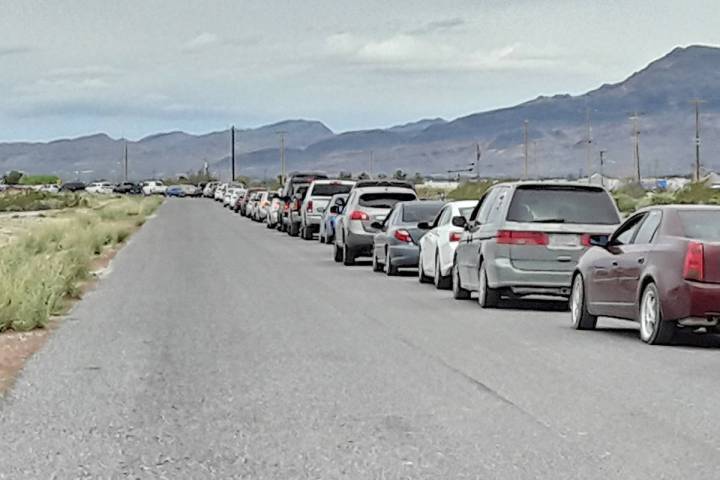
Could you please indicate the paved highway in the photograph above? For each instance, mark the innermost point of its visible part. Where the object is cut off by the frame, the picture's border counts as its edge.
(218, 349)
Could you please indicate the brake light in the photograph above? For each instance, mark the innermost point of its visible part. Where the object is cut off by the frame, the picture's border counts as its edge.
(455, 236)
(298, 204)
(585, 238)
(310, 206)
(694, 268)
(358, 215)
(514, 237)
(403, 235)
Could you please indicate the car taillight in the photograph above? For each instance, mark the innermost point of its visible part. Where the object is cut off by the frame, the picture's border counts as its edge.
(694, 268)
(455, 236)
(514, 237)
(403, 235)
(585, 238)
(358, 215)
(310, 206)
(298, 204)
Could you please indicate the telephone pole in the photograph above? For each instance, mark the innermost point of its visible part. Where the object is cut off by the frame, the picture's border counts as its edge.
(602, 165)
(282, 134)
(636, 153)
(477, 161)
(232, 153)
(525, 136)
(589, 145)
(125, 158)
(697, 103)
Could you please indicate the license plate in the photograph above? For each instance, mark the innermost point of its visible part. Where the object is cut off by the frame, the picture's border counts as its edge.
(559, 240)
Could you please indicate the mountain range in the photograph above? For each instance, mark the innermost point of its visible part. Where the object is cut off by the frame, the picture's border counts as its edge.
(659, 96)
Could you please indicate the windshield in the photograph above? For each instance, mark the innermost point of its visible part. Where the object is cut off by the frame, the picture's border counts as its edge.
(701, 224)
(330, 189)
(562, 205)
(417, 213)
(384, 199)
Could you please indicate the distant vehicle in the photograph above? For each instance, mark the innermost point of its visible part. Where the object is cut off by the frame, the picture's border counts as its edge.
(437, 247)
(175, 191)
(128, 188)
(396, 245)
(525, 238)
(51, 188)
(274, 210)
(263, 204)
(219, 192)
(661, 267)
(209, 190)
(251, 205)
(153, 187)
(354, 230)
(292, 195)
(327, 222)
(73, 187)
(235, 194)
(103, 188)
(191, 190)
(316, 200)
(242, 205)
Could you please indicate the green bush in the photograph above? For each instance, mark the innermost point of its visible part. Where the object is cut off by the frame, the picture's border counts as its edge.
(470, 190)
(30, 200)
(39, 180)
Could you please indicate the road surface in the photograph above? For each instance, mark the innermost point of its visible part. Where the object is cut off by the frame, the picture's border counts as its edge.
(218, 349)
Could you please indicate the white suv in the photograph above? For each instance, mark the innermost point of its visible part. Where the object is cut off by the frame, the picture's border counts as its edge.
(316, 201)
(154, 187)
(99, 187)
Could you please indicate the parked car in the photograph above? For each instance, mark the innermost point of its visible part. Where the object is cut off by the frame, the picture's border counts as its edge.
(175, 191)
(661, 267)
(437, 246)
(103, 188)
(366, 204)
(251, 205)
(219, 193)
(128, 188)
(73, 187)
(525, 238)
(153, 187)
(396, 245)
(316, 200)
(327, 222)
(274, 210)
(292, 195)
(235, 194)
(191, 190)
(50, 188)
(262, 206)
(244, 200)
(209, 190)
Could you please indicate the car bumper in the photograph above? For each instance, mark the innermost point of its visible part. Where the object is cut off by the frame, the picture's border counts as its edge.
(313, 220)
(404, 255)
(693, 304)
(361, 243)
(502, 274)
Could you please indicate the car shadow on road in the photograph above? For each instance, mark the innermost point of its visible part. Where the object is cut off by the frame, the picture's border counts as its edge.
(534, 304)
(683, 338)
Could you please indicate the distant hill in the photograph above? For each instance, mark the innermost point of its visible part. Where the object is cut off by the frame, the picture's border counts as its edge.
(661, 93)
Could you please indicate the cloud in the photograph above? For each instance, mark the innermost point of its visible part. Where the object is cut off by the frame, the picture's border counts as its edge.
(201, 42)
(13, 50)
(85, 71)
(438, 26)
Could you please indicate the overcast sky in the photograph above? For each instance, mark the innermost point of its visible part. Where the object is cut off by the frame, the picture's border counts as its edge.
(135, 67)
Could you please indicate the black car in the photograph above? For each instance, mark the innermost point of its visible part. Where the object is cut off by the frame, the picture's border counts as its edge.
(128, 188)
(73, 187)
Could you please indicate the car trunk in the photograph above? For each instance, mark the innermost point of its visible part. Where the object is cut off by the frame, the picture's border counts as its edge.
(375, 215)
(415, 233)
(320, 204)
(549, 246)
(711, 262)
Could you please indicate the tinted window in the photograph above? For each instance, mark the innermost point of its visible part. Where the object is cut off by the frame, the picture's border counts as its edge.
(626, 232)
(329, 189)
(701, 224)
(486, 204)
(466, 212)
(384, 199)
(562, 205)
(497, 206)
(417, 213)
(647, 230)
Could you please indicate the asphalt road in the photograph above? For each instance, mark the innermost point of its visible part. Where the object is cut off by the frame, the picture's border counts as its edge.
(218, 349)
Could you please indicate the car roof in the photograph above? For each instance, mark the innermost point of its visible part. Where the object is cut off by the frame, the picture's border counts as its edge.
(681, 207)
(552, 184)
(378, 189)
(410, 203)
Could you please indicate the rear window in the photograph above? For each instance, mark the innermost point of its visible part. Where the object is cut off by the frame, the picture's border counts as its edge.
(701, 224)
(329, 189)
(562, 205)
(384, 199)
(420, 213)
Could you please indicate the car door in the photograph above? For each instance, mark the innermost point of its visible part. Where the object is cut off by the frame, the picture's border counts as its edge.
(381, 238)
(463, 250)
(486, 228)
(429, 242)
(341, 220)
(604, 274)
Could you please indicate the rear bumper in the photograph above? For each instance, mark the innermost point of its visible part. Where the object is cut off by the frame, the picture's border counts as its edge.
(502, 274)
(693, 303)
(404, 255)
(361, 243)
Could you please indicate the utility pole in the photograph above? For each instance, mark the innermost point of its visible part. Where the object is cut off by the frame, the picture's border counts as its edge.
(282, 155)
(525, 136)
(371, 161)
(125, 157)
(232, 153)
(697, 103)
(477, 161)
(589, 145)
(636, 153)
(602, 165)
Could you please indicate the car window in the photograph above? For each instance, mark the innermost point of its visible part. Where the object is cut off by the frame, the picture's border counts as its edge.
(477, 207)
(486, 204)
(701, 224)
(420, 212)
(497, 206)
(649, 226)
(626, 232)
(330, 189)
(443, 218)
(384, 199)
(562, 204)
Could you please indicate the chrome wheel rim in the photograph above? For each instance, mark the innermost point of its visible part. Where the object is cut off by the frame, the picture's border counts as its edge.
(577, 300)
(648, 314)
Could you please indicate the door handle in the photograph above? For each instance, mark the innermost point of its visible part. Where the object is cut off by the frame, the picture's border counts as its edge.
(641, 260)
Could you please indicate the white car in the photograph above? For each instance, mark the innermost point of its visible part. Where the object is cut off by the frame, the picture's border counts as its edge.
(437, 246)
(154, 187)
(235, 194)
(103, 188)
(51, 188)
(209, 190)
(220, 192)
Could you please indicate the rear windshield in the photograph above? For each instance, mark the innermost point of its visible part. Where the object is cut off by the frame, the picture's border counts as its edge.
(562, 205)
(420, 213)
(701, 224)
(329, 189)
(384, 199)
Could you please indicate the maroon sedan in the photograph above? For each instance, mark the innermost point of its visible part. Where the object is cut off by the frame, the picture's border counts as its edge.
(661, 268)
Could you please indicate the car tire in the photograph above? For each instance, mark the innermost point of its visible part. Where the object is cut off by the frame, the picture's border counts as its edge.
(422, 278)
(653, 329)
(390, 269)
(337, 253)
(442, 282)
(487, 297)
(348, 256)
(459, 293)
(579, 315)
(376, 265)
(294, 230)
(307, 233)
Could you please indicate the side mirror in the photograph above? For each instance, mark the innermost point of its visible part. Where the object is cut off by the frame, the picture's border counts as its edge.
(335, 209)
(460, 221)
(377, 225)
(599, 241)
(424, 226)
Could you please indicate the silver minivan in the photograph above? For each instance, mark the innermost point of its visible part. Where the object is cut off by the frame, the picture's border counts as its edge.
(525, 238)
